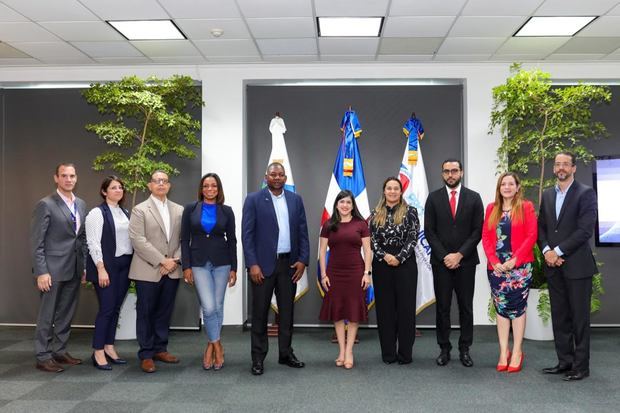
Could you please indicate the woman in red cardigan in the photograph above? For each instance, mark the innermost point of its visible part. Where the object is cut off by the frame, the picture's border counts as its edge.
(508, 237)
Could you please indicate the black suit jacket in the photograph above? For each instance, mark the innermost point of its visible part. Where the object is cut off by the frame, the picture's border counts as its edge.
(571, 231)
(197, 247)
(460, 234)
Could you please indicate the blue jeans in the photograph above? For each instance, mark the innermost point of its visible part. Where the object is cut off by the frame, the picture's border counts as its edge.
(210, 283)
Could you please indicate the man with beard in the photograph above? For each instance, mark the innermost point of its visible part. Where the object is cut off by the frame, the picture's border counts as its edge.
(275, 245)
(453, 219)
(565, 225)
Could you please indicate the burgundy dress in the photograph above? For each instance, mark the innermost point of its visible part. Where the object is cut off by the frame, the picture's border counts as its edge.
(345, 269)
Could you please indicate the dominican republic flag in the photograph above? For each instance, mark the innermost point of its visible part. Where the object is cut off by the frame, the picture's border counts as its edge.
(348, 174)
(415, 191)
(279, 154)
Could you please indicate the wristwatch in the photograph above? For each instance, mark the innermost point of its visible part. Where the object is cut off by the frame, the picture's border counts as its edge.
(367, 272)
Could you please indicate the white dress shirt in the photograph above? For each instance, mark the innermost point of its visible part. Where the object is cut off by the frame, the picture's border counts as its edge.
(94, 231)
(164, 212)
(457, 195)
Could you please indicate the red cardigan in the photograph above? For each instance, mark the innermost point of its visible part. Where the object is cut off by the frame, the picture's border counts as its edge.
(523, 236)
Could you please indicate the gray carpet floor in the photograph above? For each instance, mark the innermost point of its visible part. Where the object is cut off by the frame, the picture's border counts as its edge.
(319, 387)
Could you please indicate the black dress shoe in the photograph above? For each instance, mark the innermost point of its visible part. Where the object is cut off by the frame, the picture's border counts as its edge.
(556, 369)
(443, 359)
(389, 361)
(574, 375)
(466, 359)
(98, 366)
(292, 361)
(115, 361)
(257, 368)
(401, 362)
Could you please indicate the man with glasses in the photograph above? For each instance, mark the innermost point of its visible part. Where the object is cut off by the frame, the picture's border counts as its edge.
(565, 225)
(154, 230)
(58, 249)
(453, 219)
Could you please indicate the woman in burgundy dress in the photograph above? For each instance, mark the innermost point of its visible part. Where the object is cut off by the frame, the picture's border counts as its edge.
(347, 274)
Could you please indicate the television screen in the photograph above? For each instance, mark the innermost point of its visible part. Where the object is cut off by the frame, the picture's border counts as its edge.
(606, 179)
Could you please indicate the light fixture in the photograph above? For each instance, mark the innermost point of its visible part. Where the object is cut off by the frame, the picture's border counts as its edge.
(147, 29)
(349, 26)
(550, 26)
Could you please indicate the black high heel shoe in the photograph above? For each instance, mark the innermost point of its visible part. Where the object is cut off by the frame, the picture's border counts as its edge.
(114, 361)
(98, 366)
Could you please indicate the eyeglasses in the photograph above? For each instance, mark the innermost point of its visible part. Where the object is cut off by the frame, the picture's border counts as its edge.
(563, 164)
(450, 171)
(160, 181)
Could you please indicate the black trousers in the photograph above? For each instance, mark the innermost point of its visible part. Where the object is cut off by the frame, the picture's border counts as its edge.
(570, 314)
(280, 281)
(153, 313)
(460, 280)
(395, 297)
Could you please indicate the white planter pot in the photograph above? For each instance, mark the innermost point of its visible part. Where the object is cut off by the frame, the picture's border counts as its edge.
(535, 328)
(126, 329)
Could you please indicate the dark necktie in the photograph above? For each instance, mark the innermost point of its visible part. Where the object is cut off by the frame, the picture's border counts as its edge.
(453, 203)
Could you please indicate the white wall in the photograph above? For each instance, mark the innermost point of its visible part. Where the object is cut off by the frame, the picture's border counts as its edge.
(223, 120)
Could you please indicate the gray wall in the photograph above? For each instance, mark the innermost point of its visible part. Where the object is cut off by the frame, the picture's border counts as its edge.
(312, 115)
(41, 128)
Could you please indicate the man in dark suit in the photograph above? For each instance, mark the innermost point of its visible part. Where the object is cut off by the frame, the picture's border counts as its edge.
(276, 250)
(565, 225)
(453, 218)
(58, 245)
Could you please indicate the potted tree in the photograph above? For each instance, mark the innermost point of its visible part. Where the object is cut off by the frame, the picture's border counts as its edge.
(145, 120)
(536, 120)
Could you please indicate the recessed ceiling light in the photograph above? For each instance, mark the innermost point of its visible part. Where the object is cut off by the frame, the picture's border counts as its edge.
(554, 26)
(349, 26)
(147, 29)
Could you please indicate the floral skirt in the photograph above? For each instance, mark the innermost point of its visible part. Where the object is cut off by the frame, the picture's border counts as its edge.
(510, 290)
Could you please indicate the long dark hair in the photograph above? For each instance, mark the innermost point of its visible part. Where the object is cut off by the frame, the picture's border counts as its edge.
(106, 184)
(333, 222)
(220, 190)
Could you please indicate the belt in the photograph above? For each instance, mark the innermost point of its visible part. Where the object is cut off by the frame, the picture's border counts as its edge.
(284, 255)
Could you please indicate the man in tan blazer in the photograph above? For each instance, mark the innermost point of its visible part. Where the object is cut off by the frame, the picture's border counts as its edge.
(154, 229)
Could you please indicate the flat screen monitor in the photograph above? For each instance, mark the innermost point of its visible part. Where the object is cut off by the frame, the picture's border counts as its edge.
(606, 179)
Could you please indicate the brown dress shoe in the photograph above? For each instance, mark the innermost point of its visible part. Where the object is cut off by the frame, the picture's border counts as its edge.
(66, 359)
(148, 366)
(49, 366)
(165, 357)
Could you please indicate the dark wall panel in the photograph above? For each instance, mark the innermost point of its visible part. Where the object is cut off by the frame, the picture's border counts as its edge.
(41, 128)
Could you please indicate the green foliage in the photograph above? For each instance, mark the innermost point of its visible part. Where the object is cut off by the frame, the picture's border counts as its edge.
(491, 310)
(544, 306)
(536, 120)
(146, 119)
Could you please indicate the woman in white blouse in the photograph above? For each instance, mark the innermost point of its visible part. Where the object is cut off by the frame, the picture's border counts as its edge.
(109, 258)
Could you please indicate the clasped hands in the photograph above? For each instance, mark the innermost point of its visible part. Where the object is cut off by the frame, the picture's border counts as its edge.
(453, 260)
(553, 259)
(391, 260)
(168, 265)
(500, 268)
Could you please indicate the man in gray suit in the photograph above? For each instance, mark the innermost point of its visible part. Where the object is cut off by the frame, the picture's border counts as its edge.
(58, 249)
(155, 233)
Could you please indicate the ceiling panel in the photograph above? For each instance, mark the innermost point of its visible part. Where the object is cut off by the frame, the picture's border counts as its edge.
(287, 46)
(200, 9)
(223, 47)
(348, 46)
(8, 52)
(426, 8)
(9, 15)
(331, 8)
(166, 48)
(575, 57)
(201, 29)
(590, 45)
(532, 45)
(126, 9)
(501, 7)
(423, 26)
(471, 45)
(291, 58)
(19, 62)
(82, 31)
(51, 50)
(25, 32)
(575, 7)
(108, 49)
(405, 57)
(347, 58)
(605, 26)
(234, 59)
(275, 8)
(519, 57)
(123, 60)
(404, 45)
(486, 26)
(461, 57)
(286, 27)
(51, 10)
(185, 60)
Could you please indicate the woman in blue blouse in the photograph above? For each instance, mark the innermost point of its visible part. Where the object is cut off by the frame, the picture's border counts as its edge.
(209, 258)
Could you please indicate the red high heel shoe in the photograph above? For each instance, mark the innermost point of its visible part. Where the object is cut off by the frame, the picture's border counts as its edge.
(518, 368)
(504, 367)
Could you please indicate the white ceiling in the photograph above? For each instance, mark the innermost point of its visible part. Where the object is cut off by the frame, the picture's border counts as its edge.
(74, 32)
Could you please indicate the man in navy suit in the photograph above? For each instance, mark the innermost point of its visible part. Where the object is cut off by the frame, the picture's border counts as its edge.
(565, 225)
(276, 250)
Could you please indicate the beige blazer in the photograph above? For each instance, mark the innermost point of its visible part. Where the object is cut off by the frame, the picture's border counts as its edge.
(148, 238)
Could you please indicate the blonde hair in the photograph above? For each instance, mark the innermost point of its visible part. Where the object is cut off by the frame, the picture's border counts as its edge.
(400, 210)
(516, 211)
